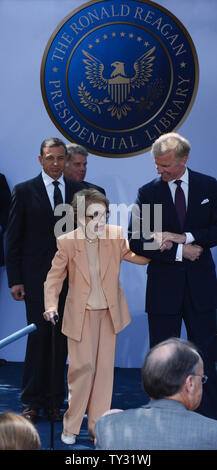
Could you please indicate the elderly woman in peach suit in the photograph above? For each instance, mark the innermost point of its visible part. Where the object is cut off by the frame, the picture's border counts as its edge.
(95, 309)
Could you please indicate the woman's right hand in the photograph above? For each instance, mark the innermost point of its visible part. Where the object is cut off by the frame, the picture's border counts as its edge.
(51, 315)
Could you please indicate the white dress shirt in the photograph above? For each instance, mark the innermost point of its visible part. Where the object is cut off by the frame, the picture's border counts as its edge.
(50, 187)
(184, 186)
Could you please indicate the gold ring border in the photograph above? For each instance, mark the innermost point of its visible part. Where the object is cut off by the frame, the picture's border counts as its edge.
(93, 2)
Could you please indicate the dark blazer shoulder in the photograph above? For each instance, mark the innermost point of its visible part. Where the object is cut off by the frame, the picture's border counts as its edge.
(201, 177)
(194, 175)
(94, 186)
(37, 181)
(29, 183)
(3, 179)
(151, 184)
(149, 189)
(4, 189)
(73, 185)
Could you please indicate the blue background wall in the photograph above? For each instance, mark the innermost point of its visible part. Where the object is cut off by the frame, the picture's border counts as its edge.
(25, 27)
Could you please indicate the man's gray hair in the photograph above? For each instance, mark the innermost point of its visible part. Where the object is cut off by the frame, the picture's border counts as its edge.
(75, 148)
(171, 141)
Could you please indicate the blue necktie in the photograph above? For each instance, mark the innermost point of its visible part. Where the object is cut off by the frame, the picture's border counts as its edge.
(180, 203)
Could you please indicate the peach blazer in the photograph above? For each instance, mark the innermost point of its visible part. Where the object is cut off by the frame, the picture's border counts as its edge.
(72, 258)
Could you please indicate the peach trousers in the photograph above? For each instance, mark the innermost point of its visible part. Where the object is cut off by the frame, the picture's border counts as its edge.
(90, 371)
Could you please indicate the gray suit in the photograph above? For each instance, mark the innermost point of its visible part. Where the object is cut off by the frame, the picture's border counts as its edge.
(161, 425)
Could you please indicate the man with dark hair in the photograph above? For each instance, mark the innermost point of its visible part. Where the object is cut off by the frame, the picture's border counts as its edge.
(76, 166)
(172, 376)
(30, 248)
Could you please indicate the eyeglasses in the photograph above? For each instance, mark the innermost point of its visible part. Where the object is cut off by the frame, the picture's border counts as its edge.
(98, 215)
(204, 378)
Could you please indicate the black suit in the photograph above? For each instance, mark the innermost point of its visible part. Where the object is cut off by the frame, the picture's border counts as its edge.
(88, 185)
(30, 248)
(5, 197)
(186, 289)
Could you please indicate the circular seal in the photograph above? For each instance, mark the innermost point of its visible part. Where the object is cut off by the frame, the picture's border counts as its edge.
(117, 75)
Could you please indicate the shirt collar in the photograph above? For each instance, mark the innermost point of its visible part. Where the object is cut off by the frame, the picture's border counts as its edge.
(48, 180)
(184, 178)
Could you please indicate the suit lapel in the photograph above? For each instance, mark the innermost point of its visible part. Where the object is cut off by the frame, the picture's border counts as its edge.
(104, 254)
(71, 187)
(170, 218)
(68, 193)
(40, 193)
(192, 194)
(81, 258)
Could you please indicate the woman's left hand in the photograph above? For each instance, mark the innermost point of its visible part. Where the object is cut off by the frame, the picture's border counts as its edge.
(51, 315)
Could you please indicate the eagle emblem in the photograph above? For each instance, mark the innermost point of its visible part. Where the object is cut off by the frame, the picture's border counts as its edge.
(118, 86)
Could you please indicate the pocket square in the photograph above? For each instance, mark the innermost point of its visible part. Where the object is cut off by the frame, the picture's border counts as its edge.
(205, 201)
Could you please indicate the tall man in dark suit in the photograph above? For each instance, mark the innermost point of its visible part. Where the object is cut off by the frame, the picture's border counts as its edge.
(31, 245)
(76, 166)
(5, 197)
(181, 280)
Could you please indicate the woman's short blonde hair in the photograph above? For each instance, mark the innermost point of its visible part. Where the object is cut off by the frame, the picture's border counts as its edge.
(82, 199)
(17, 433)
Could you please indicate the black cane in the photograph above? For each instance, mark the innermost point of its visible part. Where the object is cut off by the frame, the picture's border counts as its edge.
(53, 354)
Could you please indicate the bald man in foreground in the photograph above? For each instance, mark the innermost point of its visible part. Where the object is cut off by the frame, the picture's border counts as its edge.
(173, 377)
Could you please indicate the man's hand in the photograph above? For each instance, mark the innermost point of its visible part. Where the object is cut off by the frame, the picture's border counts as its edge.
(192, 252)
(17, 292)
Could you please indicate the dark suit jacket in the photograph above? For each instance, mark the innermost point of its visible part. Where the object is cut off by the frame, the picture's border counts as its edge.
(5, 197)
(31, 243)
(167, 277)
(88, 185)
